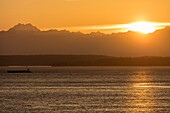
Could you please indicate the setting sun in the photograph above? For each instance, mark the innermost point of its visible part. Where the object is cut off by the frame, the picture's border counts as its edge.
(143, 27)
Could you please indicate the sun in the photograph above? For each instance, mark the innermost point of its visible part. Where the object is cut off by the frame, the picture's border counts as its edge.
(143, 27)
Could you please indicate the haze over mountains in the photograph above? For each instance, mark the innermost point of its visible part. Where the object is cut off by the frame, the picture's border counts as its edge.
(26, 39)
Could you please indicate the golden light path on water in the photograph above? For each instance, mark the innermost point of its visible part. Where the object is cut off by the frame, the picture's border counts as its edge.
(143, 97)
(151, 85)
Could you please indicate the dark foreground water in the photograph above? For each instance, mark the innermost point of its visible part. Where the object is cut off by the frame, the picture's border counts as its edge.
(86, 89)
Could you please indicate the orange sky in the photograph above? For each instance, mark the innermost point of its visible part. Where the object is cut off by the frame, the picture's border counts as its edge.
(71, 13)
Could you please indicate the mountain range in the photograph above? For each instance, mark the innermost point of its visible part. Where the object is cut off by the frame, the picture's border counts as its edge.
(26, 39)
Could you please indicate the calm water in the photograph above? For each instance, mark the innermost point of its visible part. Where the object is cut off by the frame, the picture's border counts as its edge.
(86, 89)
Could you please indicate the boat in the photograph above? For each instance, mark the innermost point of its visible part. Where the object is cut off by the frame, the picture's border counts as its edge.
(19, 71)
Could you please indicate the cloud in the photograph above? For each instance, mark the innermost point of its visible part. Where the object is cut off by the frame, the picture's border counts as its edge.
(110, 28)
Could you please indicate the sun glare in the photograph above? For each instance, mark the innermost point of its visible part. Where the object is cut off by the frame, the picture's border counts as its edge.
(143, 27)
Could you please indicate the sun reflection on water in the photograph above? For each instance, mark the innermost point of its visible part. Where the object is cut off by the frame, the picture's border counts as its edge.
(142, 98)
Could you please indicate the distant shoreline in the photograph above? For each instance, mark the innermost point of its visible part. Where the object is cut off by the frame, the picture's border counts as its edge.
(81, 60)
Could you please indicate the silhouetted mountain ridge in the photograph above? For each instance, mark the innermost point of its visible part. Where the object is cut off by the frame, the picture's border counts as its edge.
(29, 40)
(24, 27)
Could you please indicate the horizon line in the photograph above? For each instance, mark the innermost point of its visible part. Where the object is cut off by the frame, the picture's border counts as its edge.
(82, 55)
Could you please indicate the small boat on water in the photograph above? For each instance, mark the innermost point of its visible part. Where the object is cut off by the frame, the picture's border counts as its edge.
(19, 71)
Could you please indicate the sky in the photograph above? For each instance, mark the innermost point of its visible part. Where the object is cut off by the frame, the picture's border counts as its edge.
(71, 14)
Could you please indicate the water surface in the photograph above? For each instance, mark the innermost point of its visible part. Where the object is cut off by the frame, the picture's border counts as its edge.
(85, 89)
